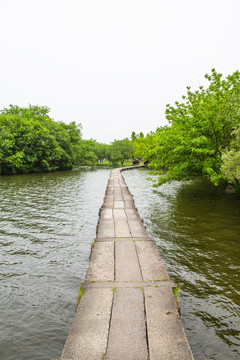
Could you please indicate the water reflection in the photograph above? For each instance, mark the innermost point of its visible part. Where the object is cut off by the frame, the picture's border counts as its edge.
(196, 228)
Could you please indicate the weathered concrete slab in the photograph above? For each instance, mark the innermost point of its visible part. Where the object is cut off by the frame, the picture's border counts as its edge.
(129, 204)
(119, 214)
(109, 192)
(101, 267)
(108, 201)
(88, 336)
(136, 227)
(132, 214)
(127, 337)
(118, 204)
(106, 214)
(117, 190)
(127, 197)
(118, 197)
(127, 265)
(166, 336)
(151, 264)
(106, 228)
(121, 228)
(109, 197)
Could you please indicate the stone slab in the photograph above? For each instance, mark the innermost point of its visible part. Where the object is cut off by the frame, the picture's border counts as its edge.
(129, 204)
(108, 196)
(118, 197)
(125, 191)
(106, 228)
(127, 337)
(106, 214)
(126, 262)
(108, 202)
(88, 336)
(101, 267)
(122, 228)
(151, 264)
(117, 192)
(136, 227)
(118, 204)
(127, 197)
(132, 214)
(119, 214)
(166, 336)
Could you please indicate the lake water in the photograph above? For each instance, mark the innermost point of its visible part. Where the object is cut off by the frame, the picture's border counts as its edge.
(48, 222)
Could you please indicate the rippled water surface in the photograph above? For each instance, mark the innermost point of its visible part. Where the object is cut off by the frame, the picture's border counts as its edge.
(48, 222)
(196, 228)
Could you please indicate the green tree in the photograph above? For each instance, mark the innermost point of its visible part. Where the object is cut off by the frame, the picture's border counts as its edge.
(30, 141)
(200, 138)
(121, 150)
(87, 155)
(231, 162)
(101, 151)
(145, 147)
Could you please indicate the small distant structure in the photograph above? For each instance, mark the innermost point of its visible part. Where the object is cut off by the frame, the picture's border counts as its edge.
(135, 162)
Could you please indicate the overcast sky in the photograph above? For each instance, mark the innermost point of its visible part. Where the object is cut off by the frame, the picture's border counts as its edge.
(113, 65)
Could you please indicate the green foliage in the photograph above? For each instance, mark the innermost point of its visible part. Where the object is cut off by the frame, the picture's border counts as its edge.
(231, 162)
(101, 151)
(30, 141)
(145, 146)
(201, 136)
(120, 150)
(87, 154)
(80, 294)
(176, 292)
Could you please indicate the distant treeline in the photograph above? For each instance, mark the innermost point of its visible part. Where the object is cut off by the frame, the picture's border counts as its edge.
(30, 141)
(201, 139)
(203, 135)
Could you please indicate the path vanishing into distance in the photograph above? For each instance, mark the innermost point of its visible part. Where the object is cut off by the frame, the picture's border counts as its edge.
(127, 310)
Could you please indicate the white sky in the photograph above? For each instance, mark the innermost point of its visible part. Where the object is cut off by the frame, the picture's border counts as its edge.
(113, 65)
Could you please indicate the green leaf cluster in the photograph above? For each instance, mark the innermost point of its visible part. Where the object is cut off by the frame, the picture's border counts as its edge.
(202, 137)
(120, 150)
(94, 152)
(30, 141)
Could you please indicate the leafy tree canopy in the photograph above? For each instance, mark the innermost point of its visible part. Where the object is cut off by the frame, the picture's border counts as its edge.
(202, 136)
(121, 150)
(30, 141)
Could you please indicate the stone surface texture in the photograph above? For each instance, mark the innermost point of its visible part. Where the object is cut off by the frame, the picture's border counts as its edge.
(127, 338)
(127, 310)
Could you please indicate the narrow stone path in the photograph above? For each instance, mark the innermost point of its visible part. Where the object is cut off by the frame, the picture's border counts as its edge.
(127, 310)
